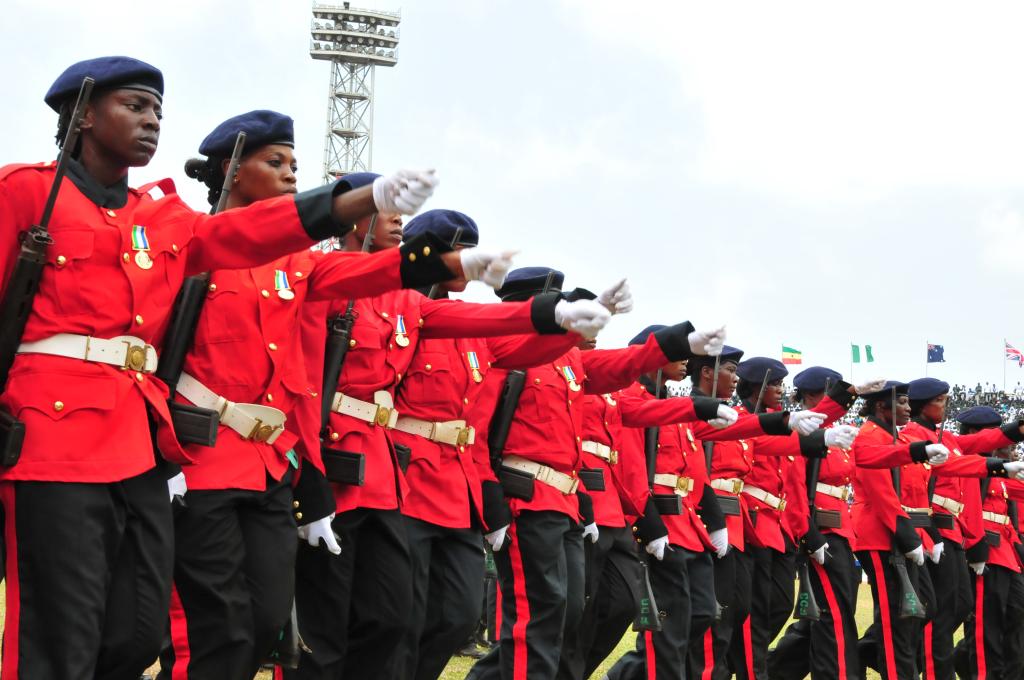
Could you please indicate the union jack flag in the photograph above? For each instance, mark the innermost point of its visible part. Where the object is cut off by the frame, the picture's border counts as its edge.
(1013, 354)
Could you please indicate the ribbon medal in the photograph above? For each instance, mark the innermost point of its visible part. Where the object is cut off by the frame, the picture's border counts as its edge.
(140, 244)
(284, 290)
(401, 337)
(570, 378)
(474, 363)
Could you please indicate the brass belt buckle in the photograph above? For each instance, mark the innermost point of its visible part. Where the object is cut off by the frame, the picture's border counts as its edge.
(684, 484)
(613, 457)
(737, 486)
(575, 486)
(782, 504)
(462, 438)
(260, 432)
(134, 357)
(845, 493)
(383, 416)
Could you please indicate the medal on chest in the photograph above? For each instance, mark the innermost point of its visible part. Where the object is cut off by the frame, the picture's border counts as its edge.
(401, 337)
(570, 377)
(474, 365)
(281, 285)
(608, 398)
(140, 244)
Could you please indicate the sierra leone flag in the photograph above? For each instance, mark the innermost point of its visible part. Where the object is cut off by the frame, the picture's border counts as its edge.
(792, 356)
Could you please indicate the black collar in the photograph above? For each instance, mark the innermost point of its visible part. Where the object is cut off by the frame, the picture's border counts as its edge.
(113, 196)
(881, 423)
(932, 427)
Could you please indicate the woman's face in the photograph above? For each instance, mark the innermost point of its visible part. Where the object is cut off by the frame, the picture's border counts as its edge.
(267, 172)
(675, 370)
(772, 394)
(902, 412)
(122, 126)
(935, 410)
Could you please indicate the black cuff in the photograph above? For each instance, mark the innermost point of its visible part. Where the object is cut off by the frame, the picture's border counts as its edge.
(1012, 431)
(840, 393)
(813, 539)
(313, 497)
(710, 511)
(168, 468)
(775, 423)
(674, 341)
(813, 445)
(542, 313)
(578, 294)
(706, 407)
(918, 454)
(586, 507)
(315, 208)
(650, 526)
(995, 467)
(421, 264)
(978, 552)
(905, 538)
(1019, 547)
(496, 512)
(934, 534)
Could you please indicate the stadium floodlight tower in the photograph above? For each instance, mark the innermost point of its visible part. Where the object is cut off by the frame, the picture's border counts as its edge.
(355, 41)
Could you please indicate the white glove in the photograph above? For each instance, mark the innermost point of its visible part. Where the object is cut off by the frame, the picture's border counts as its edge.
(1014, 469)
(405, 191)
(939, 454)
(977, 567)
(720, 539)
(936, 554)
(805, 422)
(321, 529)
(586, 317)
(707, 343)
(726, 417)
(590, 531)
(617, 299)
(491, 268)
(875, 385)
(496, 538)
(841, 436)
(819, 554)
(916, 555)
(657, 548)
(176, 486)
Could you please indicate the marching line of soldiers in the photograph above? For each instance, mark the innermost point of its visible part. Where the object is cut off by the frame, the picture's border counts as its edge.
(223, 449)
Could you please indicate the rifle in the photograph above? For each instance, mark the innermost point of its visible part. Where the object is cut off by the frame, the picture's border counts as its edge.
(435, 290)
(910, 604)
(192, 424)
(709, 447)
(647, 617)
(23, 285)
(806, 603)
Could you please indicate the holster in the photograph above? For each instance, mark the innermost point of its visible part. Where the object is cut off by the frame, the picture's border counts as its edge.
(592, 478)
(919, 519)
(516, 483)
(12, 437)
(941, 520)
(194, 425)
(403, 455)
(668, 503)
(828, 519)
(994, 538)
(344, 467)
(730, 505)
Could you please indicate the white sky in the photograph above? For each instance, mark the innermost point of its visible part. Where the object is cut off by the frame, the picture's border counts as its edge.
(812, 174)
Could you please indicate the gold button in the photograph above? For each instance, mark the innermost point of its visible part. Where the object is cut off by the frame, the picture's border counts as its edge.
(465, 400)
(58, 406)
(390, 346)
(138, 376)
(265, 293)
(273, 346)
(335, 436)
(298, 515)
(295, 504)
(384, 314)
(174, 247)
(426, 251)
(298, 275)
(138, 319)
(536, 381)
(313, 393)
(428, 367)
(421, 322)
(412, 257)
(351, 343)
(398, 375)
(213, 287)
(111, 213)
(61, 260)
(126, 257)
(270, 397)
(570, 404)
(577, 439)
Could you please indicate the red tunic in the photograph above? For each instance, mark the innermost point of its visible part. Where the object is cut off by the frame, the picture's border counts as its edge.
(999, 492)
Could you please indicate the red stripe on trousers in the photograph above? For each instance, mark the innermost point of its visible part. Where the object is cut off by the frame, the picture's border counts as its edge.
(652, 664)
(883, 606)
(709, 655)
(929, 663)
(497, 611)
(748, 647)
(519, 649)
(13, 615)
(179, 637)
(837, 621)
(979, 625)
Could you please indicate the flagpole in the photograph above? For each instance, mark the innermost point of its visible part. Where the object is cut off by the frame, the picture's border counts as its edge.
(926, 357)
(851, 365)
(1004, 365)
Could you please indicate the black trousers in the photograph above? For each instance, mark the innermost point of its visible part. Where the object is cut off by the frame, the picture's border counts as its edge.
(1014, 636)
(771, 603)
(892, 645)
(447, 594)
(986, 648)
(827, 648)
(684, 592)
(954, 601)
(612, 573)
(541, 576)
(353, 608)
(234, 581)
(712, 649)
(88, 577)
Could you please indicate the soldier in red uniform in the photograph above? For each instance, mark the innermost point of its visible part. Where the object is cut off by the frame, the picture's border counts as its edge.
(88, 496)
(235, 536)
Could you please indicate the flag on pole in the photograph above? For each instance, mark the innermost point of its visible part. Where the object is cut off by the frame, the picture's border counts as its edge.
(1014, 354)
(855, 354)
(792, 356)
(935, 354)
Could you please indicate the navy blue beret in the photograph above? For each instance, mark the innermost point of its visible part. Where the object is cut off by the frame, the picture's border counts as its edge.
(261, 127)
(107, 72)
(756, 368)
(444, 224)
(641, 337)
(926, 388)
(729, 353)
(529, 281)
(816, 379)
(355, 180)
(980, 416)
(901, 388)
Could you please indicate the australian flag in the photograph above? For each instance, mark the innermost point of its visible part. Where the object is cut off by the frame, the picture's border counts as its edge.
(935, 353)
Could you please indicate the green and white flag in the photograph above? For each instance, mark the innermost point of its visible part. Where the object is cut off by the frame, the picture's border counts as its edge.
(855, 351)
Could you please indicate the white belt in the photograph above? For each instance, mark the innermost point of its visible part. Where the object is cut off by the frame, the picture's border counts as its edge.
(567, 484)
(381, 411)
(840, 492)
(125, 351)
(995, 517)
(681, 485)
(948, 504)
(251, 421)
(926, 511)
(601, 451)
(772, 501)
(728, 484)
(453, 432)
